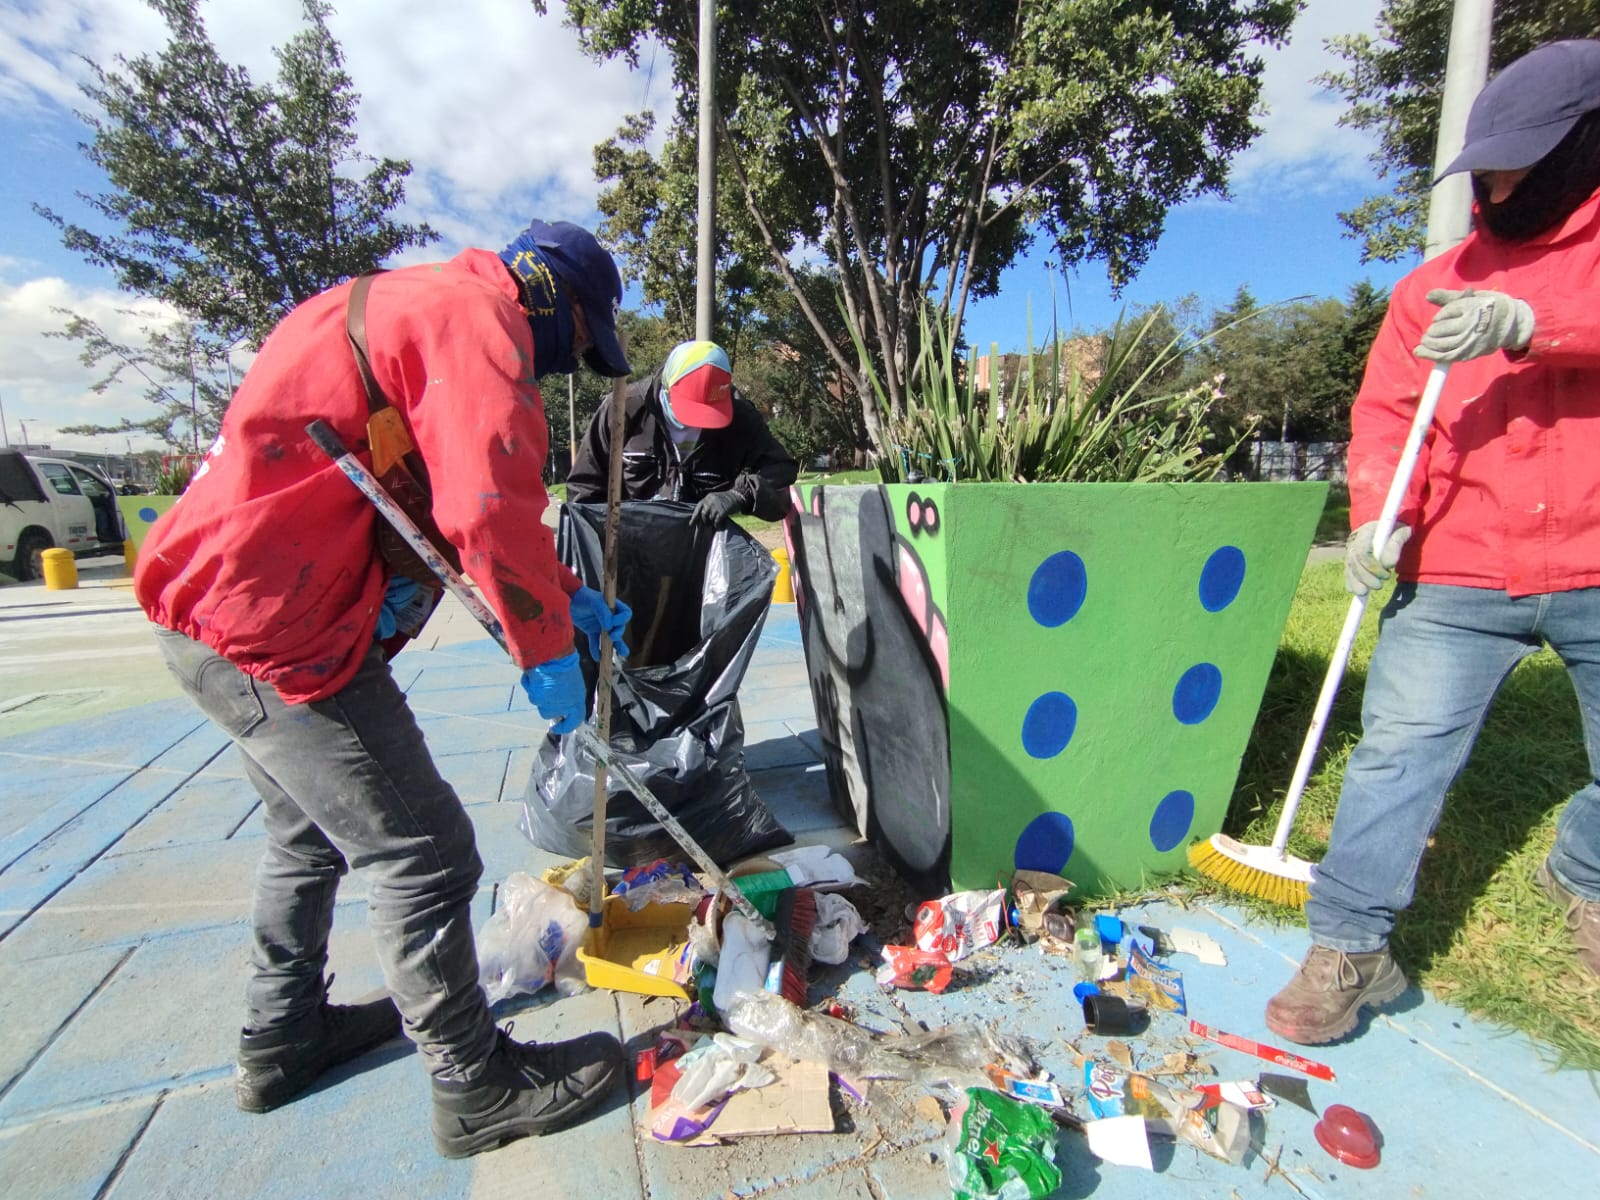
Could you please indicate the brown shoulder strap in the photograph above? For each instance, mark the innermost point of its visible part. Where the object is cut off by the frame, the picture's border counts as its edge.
(355, 328)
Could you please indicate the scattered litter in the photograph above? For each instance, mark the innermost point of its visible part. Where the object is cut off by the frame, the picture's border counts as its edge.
(1290, 1088)
(1000, 1149)
(1348, 1135)
(960, 923)
(744, 962)
(1119, 1053)
(838, 924)
(929, 1109)
(1159, 987)
(1270, 1053)
(659, 882)
(1109, 928)
(531, 940)
(1038, 894)
(916, 968)
(1105, 1014)
(1160, 944)
(1120, 1141)
(716, 1066)
(1202, 945)
(1240, 1092)
(1042, 1091)
(575, 877)
(816, 867)
(1088, 948)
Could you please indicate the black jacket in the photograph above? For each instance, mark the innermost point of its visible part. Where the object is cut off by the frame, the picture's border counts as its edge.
(743, 456)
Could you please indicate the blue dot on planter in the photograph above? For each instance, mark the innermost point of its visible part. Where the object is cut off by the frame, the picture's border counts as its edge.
(1046, 844)
(148, 515)
(1197, 693)
(1221, 578)
(1048, 727)
(1056, 591)
(1173, 817)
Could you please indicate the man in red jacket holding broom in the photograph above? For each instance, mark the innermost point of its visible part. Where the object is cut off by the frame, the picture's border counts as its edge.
(1505, 513)
(266, 584)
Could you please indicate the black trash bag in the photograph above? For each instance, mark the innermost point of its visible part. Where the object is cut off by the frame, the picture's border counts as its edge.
(699, 599)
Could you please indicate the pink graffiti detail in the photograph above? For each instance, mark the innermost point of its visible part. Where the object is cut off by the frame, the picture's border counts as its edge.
(914, 591)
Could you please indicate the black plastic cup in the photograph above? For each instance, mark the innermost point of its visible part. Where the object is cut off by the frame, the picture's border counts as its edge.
(1111, 1014)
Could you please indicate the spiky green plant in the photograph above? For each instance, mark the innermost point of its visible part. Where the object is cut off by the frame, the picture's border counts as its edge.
(1051, 424)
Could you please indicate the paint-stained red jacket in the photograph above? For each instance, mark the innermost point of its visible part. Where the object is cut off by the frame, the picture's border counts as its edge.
(270, 557)
(1507, 491)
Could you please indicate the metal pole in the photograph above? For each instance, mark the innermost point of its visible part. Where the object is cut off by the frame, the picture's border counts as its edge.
(572, 427)
(1466, 70)
(706, 267)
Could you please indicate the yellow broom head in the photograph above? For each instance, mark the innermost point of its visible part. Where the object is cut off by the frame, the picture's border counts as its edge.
(1253, 870)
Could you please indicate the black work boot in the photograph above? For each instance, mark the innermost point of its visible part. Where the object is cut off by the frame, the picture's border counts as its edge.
(1324, 999)
(526, 1090)
(276, 1065)
(1583, 916)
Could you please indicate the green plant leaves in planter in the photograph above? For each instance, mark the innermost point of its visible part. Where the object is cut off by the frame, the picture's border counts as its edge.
(1050, 424)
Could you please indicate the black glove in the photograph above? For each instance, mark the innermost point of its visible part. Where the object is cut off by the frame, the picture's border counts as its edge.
(716, 508)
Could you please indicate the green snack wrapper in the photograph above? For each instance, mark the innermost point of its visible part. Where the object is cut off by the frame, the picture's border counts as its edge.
(1003, 1149)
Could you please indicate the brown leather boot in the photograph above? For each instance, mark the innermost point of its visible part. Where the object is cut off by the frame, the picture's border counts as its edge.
(1583, 916)
(1324, 1000)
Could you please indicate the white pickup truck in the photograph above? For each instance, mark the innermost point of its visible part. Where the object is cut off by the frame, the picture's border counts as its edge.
(49, 502)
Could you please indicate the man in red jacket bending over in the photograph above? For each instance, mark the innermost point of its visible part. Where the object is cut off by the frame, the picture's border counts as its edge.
(266, 585)
(1505, 509)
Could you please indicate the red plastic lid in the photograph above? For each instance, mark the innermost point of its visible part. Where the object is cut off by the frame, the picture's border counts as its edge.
(1348, 1136)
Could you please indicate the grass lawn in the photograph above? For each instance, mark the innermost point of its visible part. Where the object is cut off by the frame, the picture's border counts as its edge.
(1479, 933)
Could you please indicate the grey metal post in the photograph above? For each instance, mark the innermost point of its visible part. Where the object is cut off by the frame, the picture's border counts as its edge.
(706, 265)
(1466, 69)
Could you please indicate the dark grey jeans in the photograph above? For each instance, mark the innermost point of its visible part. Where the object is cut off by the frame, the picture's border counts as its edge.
(348, 782)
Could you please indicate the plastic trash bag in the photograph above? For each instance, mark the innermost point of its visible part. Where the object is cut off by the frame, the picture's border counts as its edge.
(699, 599)
(531, 940)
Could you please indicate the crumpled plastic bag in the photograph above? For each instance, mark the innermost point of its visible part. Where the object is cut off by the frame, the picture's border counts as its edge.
(1000, 1149)
(716, 1066)
(531, 941)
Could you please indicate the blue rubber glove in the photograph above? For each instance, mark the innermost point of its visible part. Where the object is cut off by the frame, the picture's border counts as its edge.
(590, 614)
(396, 596)
(556, 689)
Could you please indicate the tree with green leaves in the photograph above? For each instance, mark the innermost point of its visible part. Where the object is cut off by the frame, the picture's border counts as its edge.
(185, 373)
(919, 147)
(1394, 85)
(234, 201)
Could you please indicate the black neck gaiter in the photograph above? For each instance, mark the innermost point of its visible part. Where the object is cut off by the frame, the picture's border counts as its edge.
(1551, 191)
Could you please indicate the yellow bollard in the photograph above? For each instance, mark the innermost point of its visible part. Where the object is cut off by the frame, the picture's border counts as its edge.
(60, 570)
(130, 556)
(783, 586)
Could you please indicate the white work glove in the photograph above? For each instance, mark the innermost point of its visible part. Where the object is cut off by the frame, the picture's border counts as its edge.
(1365, 571)
(1471, 324)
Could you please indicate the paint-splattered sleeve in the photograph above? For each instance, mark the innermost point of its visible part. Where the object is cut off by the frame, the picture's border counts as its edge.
(1384, 408)
(479, 422)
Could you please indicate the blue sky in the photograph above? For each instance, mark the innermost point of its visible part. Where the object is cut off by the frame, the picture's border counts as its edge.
(498, 112)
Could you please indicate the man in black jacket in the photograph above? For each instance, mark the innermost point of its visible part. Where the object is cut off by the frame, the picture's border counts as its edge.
(689, 435)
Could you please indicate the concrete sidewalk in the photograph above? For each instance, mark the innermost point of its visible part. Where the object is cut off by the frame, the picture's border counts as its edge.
(128, 843)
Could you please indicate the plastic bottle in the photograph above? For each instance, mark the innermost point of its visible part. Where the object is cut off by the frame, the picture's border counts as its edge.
(1088, 944)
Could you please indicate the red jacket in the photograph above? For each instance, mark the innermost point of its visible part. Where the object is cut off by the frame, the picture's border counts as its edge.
(1507, 491)
(270, 557)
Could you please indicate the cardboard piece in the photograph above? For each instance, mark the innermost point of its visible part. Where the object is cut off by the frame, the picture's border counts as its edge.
(796, 1102)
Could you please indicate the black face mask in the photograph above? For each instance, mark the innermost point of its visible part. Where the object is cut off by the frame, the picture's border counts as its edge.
(1551, 191)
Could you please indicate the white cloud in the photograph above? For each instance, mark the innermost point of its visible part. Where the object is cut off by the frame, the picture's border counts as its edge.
(1302, 146)
(44, 387)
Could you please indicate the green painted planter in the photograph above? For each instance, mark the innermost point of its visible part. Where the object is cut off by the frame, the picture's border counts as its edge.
(140, 512)
(1061, 677)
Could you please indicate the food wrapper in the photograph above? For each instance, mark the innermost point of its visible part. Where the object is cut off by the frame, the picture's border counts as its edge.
(1159, 987)
(960, 923)
(1001, 1149)
(914, 968)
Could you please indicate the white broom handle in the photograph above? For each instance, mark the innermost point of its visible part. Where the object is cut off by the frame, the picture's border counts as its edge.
(1358, 604)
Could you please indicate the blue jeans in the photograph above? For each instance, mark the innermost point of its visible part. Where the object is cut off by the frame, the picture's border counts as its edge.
(1442, 654)
(348, 782)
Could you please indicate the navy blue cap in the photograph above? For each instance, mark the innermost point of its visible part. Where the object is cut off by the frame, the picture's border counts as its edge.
(1527, 109)
(590, 272)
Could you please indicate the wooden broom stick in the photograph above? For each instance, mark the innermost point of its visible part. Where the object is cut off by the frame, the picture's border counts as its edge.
(602, 699)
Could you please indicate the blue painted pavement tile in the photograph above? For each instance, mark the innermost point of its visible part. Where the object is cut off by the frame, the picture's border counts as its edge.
(519, 770)
(206, 809)
(797, 797)
(463, 735)
(52, 864)
(775, 704)
(459, 675)
(126, 898)
(503, 846)
(196, 751)
(477, 778)
(43, 794)
(40, 997)
(806, 731)
(71, 1157)
(462, 702)
(770, 744)
(405, 673)
(169, 1017)
(791, 676)
(129, 737)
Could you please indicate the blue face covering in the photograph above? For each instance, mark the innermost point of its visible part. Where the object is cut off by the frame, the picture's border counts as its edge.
(548, 304)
